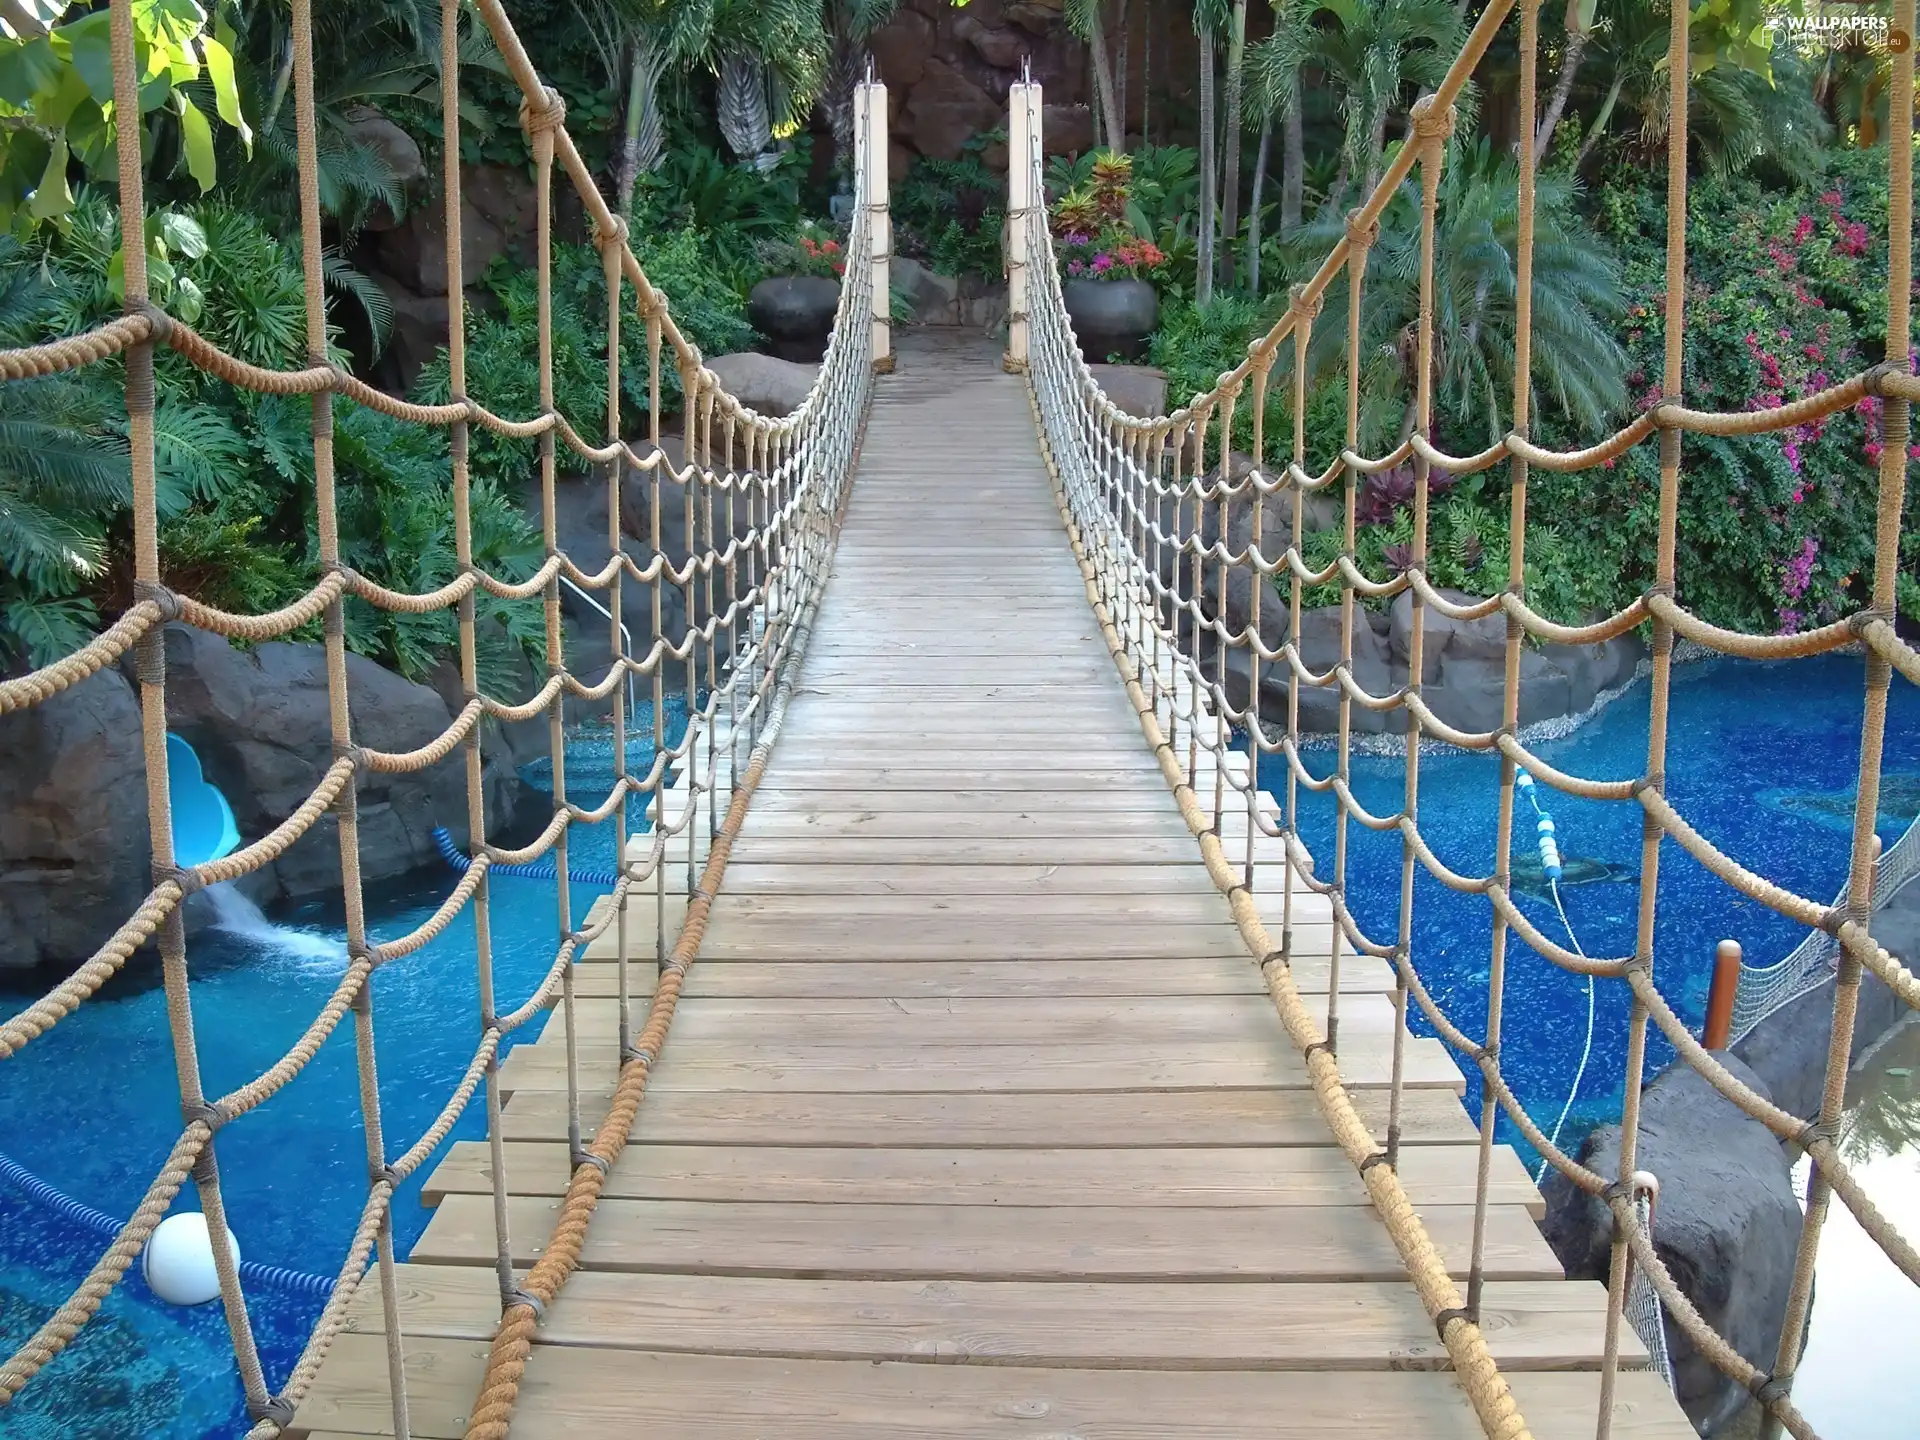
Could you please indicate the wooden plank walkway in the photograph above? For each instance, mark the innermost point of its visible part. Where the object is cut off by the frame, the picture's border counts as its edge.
(976, 1119)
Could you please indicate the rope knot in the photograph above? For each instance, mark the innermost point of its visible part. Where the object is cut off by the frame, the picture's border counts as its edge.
(1431, 124)
(1304, 304)
(212, 1116)
(527, 1298)
(1815, 1131)
(160, 321)
(277, 1411)
(614, 232)
(1768, 1388)
(1361, 237)
(1861, 621)
(1876, 376)
(187, 877)
(161, 597)
(549, 115)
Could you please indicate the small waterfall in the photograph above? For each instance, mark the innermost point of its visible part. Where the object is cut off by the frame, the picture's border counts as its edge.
(238, 915)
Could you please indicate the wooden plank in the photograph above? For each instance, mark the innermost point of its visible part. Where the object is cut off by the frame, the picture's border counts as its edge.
(1127, 887)
(1175, 1022)
(713, 979)
(573, 1393)
(1183, 1178)
(1307, 1325)
(986, 1242)
(931, 1069)
(1203, 1119)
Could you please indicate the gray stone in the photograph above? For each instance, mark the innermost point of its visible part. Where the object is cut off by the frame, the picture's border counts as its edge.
(765, 383)
(496, 214)
(1137, 389)
(1319, 644)
(374, 131)
(74, 857)
(1726, 1224)
(259, 720)
(934, 298)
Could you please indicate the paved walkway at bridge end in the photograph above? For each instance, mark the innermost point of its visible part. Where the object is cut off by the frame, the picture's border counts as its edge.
(976, 1118)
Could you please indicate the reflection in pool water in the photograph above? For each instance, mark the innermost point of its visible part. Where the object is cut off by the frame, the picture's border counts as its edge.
(1858, 1380)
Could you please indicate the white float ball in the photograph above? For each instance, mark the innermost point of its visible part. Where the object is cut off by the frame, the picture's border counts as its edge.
(178, 1260)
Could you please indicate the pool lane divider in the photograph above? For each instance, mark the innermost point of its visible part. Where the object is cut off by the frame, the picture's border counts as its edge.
(533, 870)
(274, 1277)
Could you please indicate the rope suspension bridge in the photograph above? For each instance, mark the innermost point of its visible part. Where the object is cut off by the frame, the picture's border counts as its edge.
(970, 996)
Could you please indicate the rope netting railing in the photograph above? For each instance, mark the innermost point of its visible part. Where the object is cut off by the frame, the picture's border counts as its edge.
(1161, 521)
(1764, 990)
(741, 531)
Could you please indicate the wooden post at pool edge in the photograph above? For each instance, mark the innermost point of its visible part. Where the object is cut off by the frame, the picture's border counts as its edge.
(873, 115)
(1726, 983)
(1023, 138)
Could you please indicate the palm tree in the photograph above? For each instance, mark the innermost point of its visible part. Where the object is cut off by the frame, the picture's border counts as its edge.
(1236, 85)
(1209, 16)
(1579, 25)
(1375, 51)
(1084, 19)
(1576, 296)
(63, 475)
(1273, 73)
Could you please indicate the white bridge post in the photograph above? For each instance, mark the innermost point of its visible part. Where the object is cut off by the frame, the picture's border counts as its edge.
(1024, 208)
(870, 115)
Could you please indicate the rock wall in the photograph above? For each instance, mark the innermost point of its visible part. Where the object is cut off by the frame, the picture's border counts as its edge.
(1728, 1221)
(948, 71)
(74, 858)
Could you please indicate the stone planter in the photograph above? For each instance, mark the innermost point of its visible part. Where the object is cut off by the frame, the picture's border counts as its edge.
(1112, 317)
(795, 313)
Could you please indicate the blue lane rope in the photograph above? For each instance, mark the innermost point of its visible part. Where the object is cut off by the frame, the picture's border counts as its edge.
(1550, 867)
(537, 870)
(277, 1277)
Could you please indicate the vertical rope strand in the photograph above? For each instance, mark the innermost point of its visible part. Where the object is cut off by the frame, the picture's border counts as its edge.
(1516, 632)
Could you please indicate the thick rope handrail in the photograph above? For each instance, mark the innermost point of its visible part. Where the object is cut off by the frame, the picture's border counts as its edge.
(729, 590)
(1148, 503)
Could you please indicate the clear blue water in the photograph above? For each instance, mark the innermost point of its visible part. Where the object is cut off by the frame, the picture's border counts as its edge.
(1763, 760)
(92, 1108)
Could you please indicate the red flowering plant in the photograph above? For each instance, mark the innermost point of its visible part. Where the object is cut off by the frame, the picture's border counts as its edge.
(1785, 297)
(1093, 238)
(814, 251)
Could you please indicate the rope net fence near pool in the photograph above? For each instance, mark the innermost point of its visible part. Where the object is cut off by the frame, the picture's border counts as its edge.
(1157, 511)
(1765, 989)
(757, 502)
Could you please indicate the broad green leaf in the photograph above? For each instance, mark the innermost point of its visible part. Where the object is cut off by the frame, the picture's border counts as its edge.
(182, 232)
(188, 301)
(27, 70)
(197, 139)
(54, 109)
(52, 198)
(226, 94)
(90, 46)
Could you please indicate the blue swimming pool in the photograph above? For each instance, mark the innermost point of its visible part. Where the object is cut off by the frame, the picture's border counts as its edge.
(93, 1110)
(1763, 758)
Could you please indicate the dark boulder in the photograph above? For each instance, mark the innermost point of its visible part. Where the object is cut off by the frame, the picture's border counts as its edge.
(74, 857)
(1726, 1225)
(259, 720)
